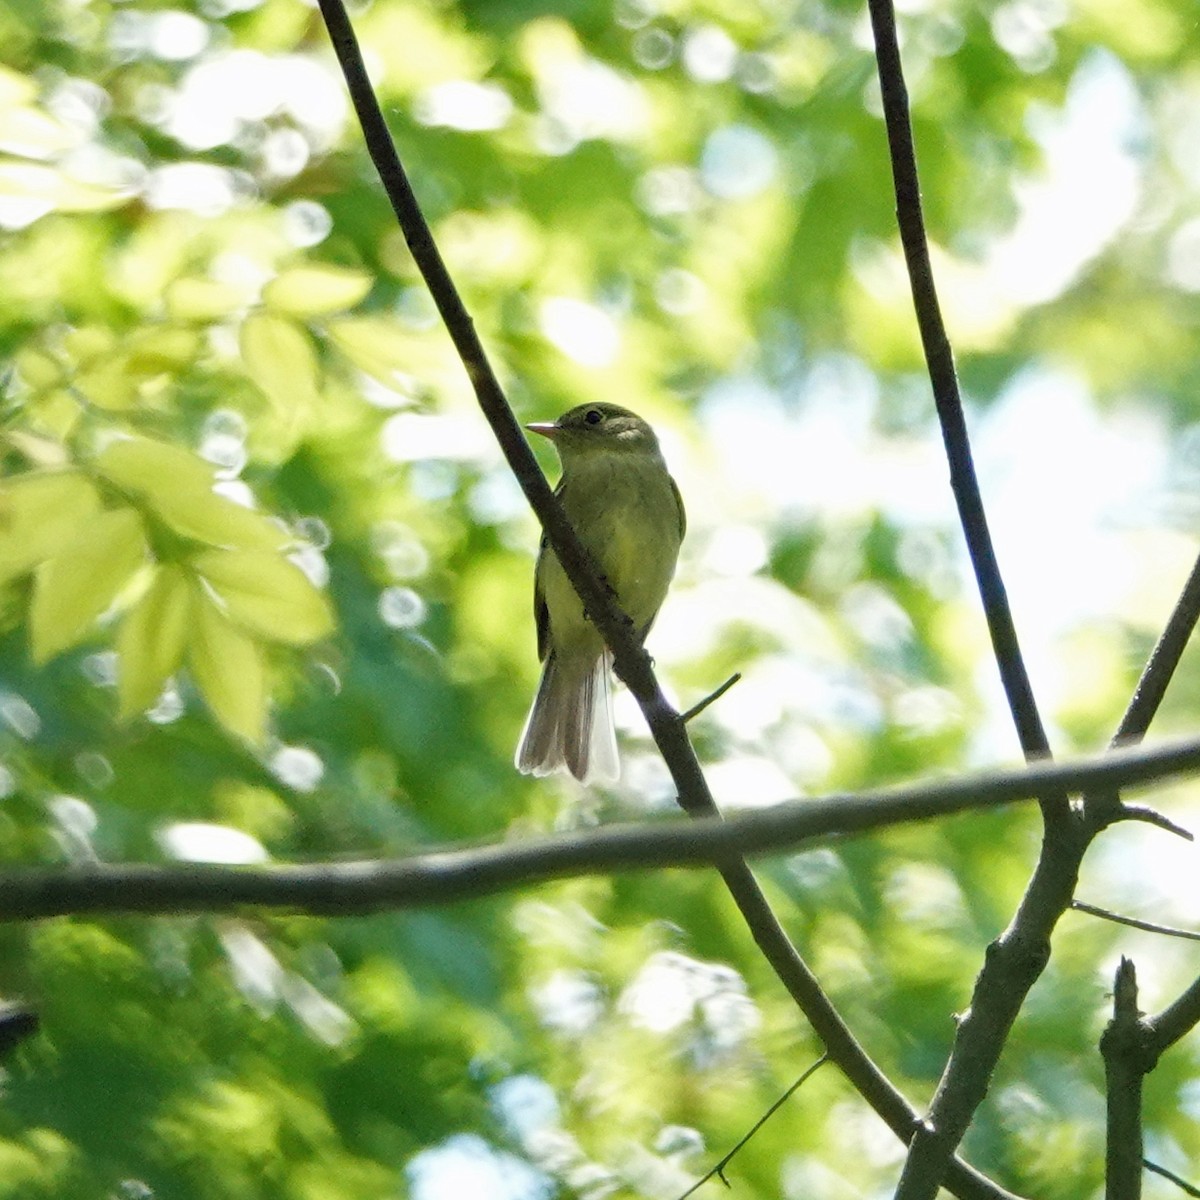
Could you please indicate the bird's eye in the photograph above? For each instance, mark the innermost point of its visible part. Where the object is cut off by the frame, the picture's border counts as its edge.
(593, 416)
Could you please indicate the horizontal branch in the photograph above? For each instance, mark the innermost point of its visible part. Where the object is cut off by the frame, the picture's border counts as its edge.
(444, 876)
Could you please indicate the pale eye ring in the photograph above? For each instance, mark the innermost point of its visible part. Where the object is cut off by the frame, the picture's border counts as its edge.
(593, 416)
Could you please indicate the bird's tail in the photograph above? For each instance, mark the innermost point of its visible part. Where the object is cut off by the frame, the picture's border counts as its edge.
(570, 724)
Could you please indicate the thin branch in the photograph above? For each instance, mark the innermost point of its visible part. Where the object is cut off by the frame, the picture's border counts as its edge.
(711, 698)
(461, 873)
(1160, 667)
(1103, 808)
(1017, 958)
(1180, 1017)
(630, 660)
(718, 1170)
(1133, 923)
(1125, 1065)
(1182, 1184)
(939, 359)
(1150, 816)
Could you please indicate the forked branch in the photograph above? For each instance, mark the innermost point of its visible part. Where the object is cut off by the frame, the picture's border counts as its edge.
(630, 660)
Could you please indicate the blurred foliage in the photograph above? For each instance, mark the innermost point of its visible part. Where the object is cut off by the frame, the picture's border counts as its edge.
(264, 581)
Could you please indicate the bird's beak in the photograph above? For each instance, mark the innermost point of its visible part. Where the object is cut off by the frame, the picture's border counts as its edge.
(547, 429)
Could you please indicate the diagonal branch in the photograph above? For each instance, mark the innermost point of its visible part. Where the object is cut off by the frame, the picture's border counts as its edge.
(469, 872)
(1180, 1017)
(630, 660)
(1017, 958)
(939, 359)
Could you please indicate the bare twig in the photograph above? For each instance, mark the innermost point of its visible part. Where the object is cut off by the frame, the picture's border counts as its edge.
(1125, 1066)
(1018, 957)
(1150, 816)
(711, 698)
(630, 660)
(1103, 808)
(1164, 658)
(1182, 1184)
(1133, 923)
(1180, 1017)
(718, 1170)
(940, 362)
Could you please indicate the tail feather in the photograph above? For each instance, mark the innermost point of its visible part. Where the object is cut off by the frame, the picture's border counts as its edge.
(570, 724)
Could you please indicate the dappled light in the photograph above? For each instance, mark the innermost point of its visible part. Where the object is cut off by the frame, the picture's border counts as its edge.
(266, 580)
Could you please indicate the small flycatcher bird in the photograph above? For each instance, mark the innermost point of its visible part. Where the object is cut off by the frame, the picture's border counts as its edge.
(626, 509)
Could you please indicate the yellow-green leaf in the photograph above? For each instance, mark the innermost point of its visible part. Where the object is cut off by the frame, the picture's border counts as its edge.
(218, 521)
(108, 384)
(266, 594)
(193, 299)
(37, 369)
(280, 358)
(375, 346)
(39, 513)
(145, 466)
(228, 668)
(314, 291)
(160, 348)
(152, 639)
(75, 586)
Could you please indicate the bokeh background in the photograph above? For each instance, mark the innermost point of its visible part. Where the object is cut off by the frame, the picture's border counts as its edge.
(679, 205)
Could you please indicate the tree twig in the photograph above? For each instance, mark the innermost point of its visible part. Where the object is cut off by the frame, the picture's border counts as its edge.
(1133, 923)
(939, 359)
(711, 698)
(1180, 1017)
(1183, 1185)
(1125, 1065)
(1164, 658)
(718, 1169)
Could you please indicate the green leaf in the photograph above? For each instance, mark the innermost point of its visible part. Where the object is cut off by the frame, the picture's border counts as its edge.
(314, 291)
(375, 346)
(75, 586)
(39, 513)
(228, 669)
(152, 639)
(178, 487)
(145, 466)
(266, 594)
(192, 299)
(280, 359)
(218, 521)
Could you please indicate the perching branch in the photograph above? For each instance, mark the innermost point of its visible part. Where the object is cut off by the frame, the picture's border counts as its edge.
(630, 660)
(469, 872)
(632, 664)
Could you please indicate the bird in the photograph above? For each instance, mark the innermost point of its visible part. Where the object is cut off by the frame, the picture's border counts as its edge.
(627, 511)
